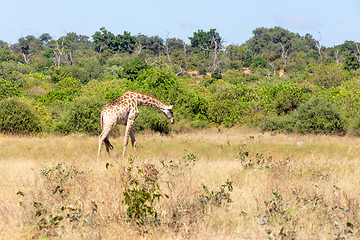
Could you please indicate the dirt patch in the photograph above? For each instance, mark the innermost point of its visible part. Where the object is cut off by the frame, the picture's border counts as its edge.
(282, 73)
(247, 70)
(37, 91)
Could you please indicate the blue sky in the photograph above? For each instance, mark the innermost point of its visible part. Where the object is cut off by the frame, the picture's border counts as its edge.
(235, 20)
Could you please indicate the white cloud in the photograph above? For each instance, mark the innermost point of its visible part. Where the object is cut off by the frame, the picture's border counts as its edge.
(293, 21)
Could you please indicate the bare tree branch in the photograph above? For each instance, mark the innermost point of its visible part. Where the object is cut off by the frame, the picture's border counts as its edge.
(272, 69)
(182, 70)
(337, 56)
(284, 53)
(318, 44)
(168, 48)
(24, 52)
(58, 52)
(214, 49)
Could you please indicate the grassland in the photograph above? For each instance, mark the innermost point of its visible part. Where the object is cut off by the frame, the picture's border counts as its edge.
(283, 186)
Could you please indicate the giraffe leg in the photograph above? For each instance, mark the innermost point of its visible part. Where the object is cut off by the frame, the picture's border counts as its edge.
(104, 137)
(128, 130)
(133, 141)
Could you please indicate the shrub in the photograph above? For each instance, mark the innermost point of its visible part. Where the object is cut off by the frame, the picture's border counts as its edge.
(347, 96)
(67, 89)
(284, 97)
(82, 116)
(356, 125)
(56, 203)
(141, 194)
(320, 116)
(18, 117)
(132, 69)
(327, 75)
(8, 89)
(280, 123)
(314, 116)
(152, 119)
(259, 61)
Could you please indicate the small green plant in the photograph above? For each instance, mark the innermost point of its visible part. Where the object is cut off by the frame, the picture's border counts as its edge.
(216, 198)
(249, 162)
(141, 193)
(54, 204)
(177, 167)
(274, 206)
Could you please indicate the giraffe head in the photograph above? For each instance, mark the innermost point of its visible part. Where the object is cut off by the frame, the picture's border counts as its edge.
(169, 113)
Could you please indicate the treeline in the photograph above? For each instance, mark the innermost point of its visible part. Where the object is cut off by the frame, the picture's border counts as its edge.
(277, 80)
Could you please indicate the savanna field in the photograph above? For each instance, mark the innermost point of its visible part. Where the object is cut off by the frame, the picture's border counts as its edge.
(236, 183)
(265, 143)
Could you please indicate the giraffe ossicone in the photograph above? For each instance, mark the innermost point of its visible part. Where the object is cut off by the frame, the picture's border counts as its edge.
(124, 110)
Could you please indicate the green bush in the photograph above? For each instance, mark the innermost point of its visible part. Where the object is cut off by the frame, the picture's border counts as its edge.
(83, 116)
(347, 96)
(320, 116)
(284, 97)
(259, 62)
(18, 117)
(327, 75)
(8, 89)
(152, 119)
(105, 90)
(67, 89)
(314, 116)
(132, 69)
(280, 123)
(356, 125)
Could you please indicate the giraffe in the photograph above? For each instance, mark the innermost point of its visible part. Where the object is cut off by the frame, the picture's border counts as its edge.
(124, 110)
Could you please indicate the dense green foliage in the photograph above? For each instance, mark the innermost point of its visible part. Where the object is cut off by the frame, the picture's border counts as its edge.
(18, 117)
(314, 116)
(268, 79)
(83, 115)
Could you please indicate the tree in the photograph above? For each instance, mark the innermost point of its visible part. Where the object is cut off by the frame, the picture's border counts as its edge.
(125, 43)
(357, 53)
(102, 39)
(27, 47)
(6, 54)
(153, 44)
(132, 69)
(209, 42)
(279, 40)
(45, 38)
(168, 48)
(351, 62)
(58, 49)
(204, 41)
(285, 52)
(318, 44)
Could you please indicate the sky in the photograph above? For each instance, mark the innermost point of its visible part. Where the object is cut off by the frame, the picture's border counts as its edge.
(332, 21)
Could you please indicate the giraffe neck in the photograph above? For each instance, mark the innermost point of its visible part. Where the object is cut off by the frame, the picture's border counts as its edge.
(147, 100)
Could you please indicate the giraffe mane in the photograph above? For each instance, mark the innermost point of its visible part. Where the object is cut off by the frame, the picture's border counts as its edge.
(147, 96)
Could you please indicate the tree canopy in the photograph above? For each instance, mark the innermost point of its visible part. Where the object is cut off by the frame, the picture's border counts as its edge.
(268, 76)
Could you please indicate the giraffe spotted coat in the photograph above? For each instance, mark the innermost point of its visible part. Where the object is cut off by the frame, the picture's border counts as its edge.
(124, 110)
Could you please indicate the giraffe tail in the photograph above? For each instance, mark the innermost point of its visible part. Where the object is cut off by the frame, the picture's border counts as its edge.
(108, 144)
(101, 121)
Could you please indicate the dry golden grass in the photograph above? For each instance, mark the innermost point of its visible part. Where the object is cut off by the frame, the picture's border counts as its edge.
(309, 183)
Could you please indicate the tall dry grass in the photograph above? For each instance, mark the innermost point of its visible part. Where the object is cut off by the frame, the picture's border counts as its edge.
(284, 186)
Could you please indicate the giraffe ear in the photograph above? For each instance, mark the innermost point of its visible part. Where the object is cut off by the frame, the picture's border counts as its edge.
(171, 105)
